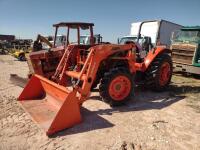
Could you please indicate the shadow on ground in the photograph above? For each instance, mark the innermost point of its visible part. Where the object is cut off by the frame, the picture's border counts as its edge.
(91, 121)
(183, 89)
(187, 75)
(143, 100)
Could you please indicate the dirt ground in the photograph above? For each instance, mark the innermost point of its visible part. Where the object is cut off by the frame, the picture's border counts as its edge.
(150, 121)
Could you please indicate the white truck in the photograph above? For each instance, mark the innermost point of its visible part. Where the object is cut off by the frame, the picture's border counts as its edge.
(156, 32)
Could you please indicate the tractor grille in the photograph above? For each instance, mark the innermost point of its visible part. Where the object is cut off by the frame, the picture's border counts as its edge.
(183, 53)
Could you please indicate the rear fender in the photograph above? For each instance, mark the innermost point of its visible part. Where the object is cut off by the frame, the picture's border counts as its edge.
(153, 54)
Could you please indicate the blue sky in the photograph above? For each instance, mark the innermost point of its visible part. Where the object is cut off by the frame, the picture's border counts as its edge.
(112, 18)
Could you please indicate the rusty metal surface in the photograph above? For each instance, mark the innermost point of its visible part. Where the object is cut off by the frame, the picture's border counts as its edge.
(183, 53)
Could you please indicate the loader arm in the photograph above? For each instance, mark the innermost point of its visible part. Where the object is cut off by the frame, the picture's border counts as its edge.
(43, 39)
(56, 107)
(96, 55)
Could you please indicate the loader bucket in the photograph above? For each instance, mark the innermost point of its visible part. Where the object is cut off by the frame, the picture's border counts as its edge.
(50, 105)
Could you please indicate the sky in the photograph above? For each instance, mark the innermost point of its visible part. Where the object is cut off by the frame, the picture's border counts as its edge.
(112, 18)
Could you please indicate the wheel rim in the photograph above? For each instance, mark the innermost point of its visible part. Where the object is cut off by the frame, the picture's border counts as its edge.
(164, 73)
(120, 88)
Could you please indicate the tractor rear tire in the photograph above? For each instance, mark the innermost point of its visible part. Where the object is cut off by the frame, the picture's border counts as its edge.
(159, 73)
(116, 86)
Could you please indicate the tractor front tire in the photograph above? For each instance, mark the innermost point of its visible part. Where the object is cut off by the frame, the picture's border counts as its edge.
(159, 73)
(116, 86)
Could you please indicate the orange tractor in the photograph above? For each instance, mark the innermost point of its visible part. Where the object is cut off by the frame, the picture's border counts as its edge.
(44, 62)
(54, 103)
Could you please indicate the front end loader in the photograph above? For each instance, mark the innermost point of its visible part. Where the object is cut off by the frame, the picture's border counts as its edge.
(56, 107)
(55, 102)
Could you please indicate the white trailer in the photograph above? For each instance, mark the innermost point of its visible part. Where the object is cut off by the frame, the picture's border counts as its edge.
(159, 31)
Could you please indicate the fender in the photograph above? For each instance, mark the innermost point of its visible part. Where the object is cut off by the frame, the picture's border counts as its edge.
(151, 56)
